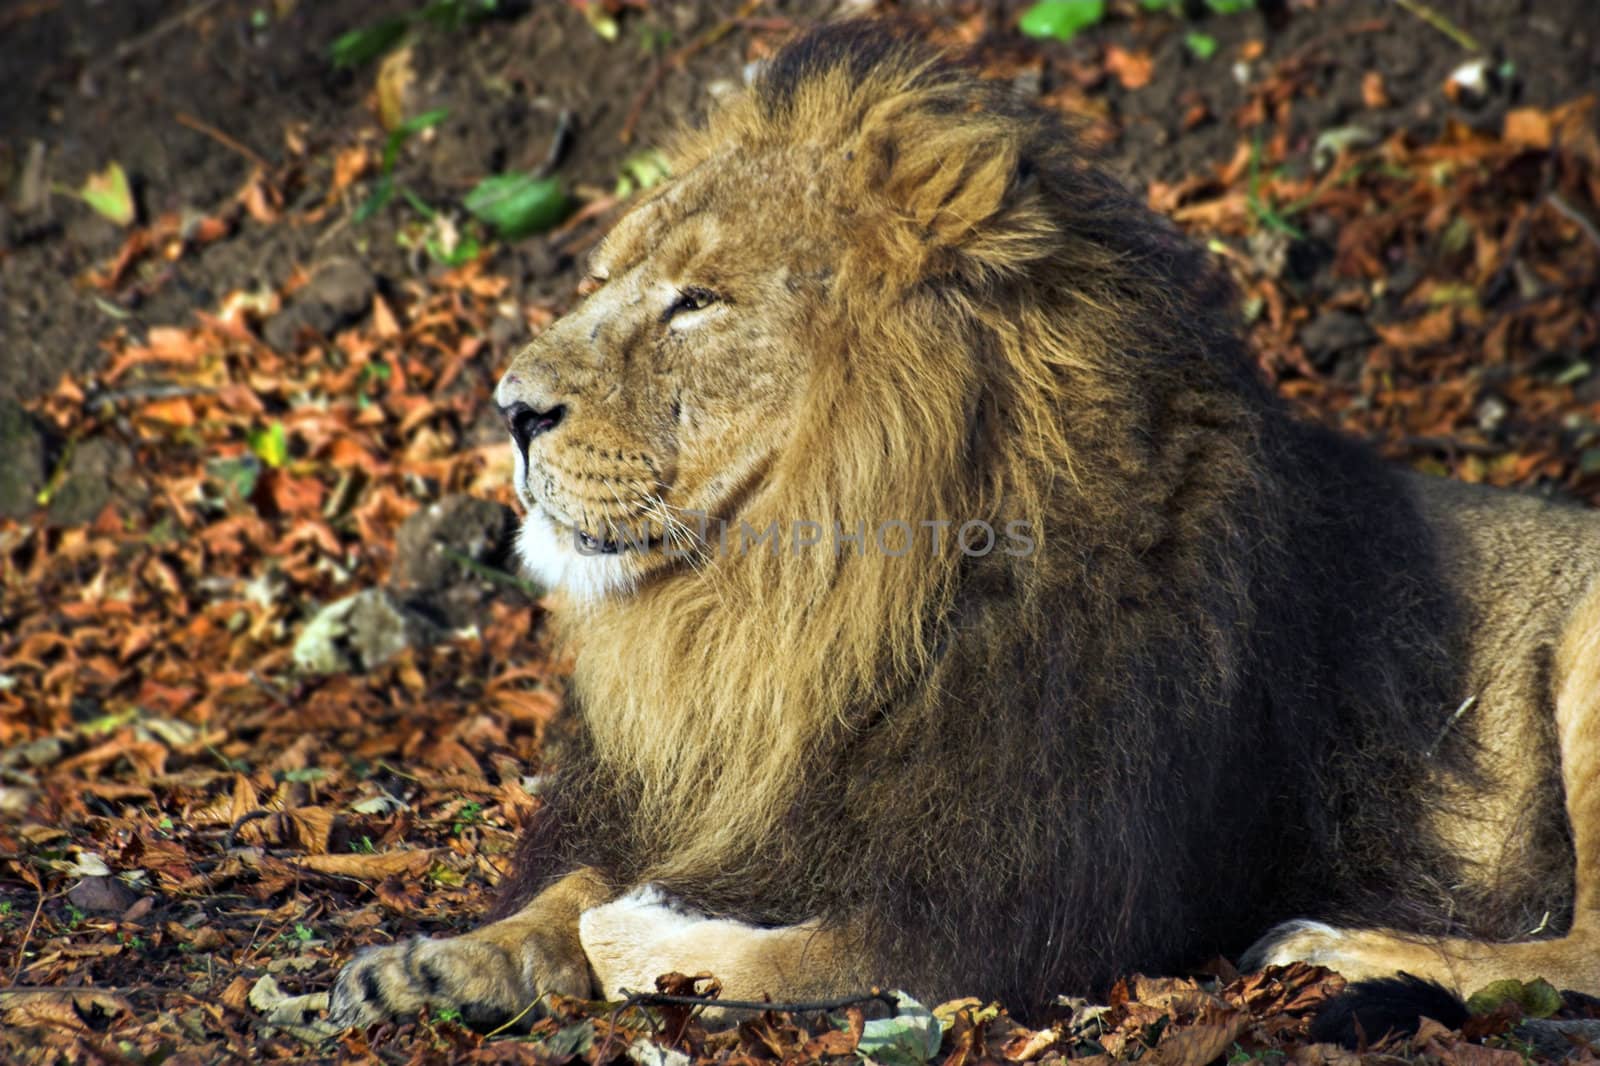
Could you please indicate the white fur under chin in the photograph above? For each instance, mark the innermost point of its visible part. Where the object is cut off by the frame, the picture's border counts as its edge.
(554, 560)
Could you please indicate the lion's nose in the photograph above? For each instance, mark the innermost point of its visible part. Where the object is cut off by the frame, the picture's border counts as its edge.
(526, 421)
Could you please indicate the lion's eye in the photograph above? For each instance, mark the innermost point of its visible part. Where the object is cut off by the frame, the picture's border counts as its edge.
(693, 298)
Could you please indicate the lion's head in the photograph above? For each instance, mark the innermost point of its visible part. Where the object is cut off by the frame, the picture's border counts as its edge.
(792, 329)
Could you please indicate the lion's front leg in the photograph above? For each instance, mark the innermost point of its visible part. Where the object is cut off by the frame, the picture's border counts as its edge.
(633, 940)
(489, 975)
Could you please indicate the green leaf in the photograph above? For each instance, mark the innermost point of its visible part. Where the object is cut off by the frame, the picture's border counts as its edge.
(1159, 5)
(270, 444)
(460, 250)
(108, 193)
(382, 193)
(417, 123)
(383, 189)
(910, 1038)
(1457, 235)
(453, 14)
(362, 46)
(640, 171)
(1230, 7)
(419, 205)
(1201, 45)
(1537, 998)
(1061, 19)
(407, 130)
(604, 26)
(518, 204)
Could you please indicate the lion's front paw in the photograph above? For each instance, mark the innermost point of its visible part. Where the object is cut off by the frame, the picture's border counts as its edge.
(480, 980)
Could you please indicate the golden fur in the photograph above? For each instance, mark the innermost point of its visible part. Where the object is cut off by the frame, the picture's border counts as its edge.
(1220, 689)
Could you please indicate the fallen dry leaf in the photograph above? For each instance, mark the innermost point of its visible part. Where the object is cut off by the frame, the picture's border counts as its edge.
(369, 867)
(1132, 68)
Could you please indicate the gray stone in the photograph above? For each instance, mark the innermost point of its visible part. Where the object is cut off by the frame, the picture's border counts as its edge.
(360, 632)
(451, 559)
(338, 294)
(22, 460)
(1332, 334)
(102, 895)
(35, 753)
(344, 286)
(99, 470)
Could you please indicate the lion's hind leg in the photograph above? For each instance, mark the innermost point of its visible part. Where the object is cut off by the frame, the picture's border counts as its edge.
(635, 939)
(1568, 961)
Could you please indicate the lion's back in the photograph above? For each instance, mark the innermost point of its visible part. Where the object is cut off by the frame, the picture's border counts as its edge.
(1517, 566)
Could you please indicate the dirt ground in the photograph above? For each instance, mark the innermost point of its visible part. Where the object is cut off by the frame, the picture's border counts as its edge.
(95, 82)
(247, 405)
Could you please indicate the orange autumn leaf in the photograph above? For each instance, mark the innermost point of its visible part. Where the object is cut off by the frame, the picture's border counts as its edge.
(1133, 69)
(1431, 329)
(538, 706)
(110, 276)
(173, 411)
(1575, 124)
(1373, 93)
(259, 200)
(206, 230)
(369, 867)
(347, 454)
(291, 495)
(384, 324)
(349, 165)
(1528, 127)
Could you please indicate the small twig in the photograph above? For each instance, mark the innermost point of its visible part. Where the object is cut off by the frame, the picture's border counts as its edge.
(272, 690)
(159, 30)
(153, 391)
(396, 771)
(24, 11)
(492, 574)
(1442, 24)
(566, 122)
(22, 948)
(677, 59)
(508, 1023)
(239, 823)
(1576, 217)
(186, 119)
(253, 934)
(68, 990)
(663, 999)
(227, 141)
(1334, 36)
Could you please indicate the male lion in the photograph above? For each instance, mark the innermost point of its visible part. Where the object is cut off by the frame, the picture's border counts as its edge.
(1230, 669)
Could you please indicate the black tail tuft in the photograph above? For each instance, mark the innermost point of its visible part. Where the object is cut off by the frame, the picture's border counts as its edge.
(1368, 1011)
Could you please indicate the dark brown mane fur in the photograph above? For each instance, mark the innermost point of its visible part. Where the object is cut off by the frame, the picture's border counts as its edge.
(1210, 700)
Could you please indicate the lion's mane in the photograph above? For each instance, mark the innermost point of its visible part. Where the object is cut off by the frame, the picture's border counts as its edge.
(1016, 776)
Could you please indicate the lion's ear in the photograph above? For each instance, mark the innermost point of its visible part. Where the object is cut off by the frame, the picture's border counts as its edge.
(960, 187)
